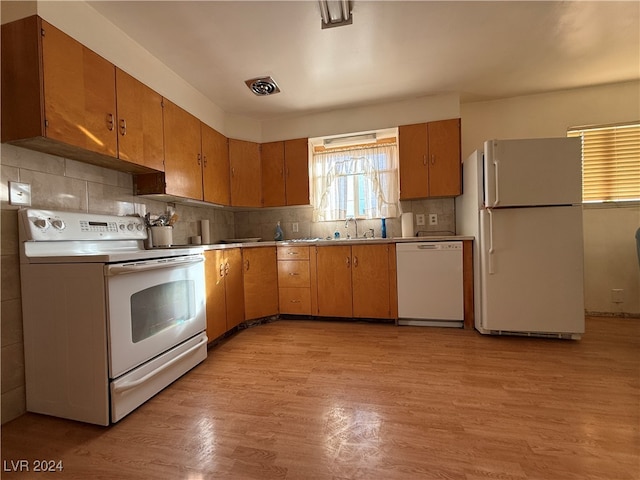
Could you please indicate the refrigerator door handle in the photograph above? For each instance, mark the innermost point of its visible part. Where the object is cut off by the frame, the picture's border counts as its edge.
(491, 249)
(497, 183)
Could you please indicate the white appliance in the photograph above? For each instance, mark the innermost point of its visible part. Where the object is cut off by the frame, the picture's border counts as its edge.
(107, 324)
(430, 284)
(522, 203)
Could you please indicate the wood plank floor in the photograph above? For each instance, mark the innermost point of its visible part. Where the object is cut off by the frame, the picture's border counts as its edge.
(336, 400)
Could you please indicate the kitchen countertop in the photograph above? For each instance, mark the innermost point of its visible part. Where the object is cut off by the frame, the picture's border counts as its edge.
(343, 241)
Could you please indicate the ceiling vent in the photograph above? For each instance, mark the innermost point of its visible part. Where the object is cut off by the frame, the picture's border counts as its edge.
(263, 86)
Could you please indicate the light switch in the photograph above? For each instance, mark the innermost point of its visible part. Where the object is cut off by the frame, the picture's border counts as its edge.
(20, 194)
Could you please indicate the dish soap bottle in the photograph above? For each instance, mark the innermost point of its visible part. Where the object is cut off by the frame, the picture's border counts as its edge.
(384, 228)
(279, 236)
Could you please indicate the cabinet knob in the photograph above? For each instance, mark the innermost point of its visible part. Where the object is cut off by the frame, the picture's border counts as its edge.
(110, 121)
(123, 127)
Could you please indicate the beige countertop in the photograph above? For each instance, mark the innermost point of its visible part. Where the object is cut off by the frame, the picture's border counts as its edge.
(343, 241)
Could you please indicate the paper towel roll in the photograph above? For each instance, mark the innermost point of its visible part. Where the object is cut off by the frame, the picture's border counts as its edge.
(205, 233)
(407, 224)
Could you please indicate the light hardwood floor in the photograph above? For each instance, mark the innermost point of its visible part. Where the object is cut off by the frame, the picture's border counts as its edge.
(335, 400)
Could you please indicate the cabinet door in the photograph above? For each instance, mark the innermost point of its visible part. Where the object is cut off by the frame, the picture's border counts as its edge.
(445, 162)
(333, 267)
(215, 163)
(140, 133)
(412, 155)
(79, 94)
(183, 169)
(296, 160)
(260, 282)
(215, 284)
(370, 279)
(234, 287)
(244, 159)
(273, 188)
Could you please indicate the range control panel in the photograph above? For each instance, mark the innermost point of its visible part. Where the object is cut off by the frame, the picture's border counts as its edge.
(50, 225)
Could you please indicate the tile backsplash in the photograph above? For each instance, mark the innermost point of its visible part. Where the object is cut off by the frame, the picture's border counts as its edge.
(62, 184)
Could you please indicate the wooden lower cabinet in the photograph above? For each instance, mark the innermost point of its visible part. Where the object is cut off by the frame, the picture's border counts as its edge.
(294, 280)
(225, 293)
(356, 281)
(260, 273)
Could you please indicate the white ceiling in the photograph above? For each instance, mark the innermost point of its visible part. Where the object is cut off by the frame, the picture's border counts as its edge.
(394, 50)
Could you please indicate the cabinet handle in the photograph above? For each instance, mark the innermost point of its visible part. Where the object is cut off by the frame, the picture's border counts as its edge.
(222, 270)
(295, 301)
(292, 253)
(123, 127)
(293, 274)
(204, 159)
(433, 159)
(199, 159)
(233, 171)
(288, 172)
(226, 269)
(110, 121)
(348, 262)
(424, 160)
(355, 261)
(246, 267)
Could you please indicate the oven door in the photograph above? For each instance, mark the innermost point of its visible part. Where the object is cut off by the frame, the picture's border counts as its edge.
(153, 306)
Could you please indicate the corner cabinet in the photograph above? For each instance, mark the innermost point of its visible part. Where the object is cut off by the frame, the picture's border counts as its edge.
(356, 281)
(430, 160)
(246, 179)
(285, 173)
(260, 272)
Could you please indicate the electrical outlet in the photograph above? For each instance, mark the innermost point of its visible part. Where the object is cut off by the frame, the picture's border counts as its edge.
(294, 227)
(617, 295)
(433, 219)
(420, 219)
(20, 194)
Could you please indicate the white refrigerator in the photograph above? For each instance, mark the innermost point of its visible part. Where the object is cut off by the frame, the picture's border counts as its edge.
(522, 201)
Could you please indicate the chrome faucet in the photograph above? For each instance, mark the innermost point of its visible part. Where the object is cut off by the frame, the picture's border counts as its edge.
(346, 225)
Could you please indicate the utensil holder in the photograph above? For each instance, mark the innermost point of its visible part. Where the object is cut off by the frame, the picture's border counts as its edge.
(162, 236)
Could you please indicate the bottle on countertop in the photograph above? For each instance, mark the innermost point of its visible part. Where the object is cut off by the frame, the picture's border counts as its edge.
(279, 236)
(384, 228)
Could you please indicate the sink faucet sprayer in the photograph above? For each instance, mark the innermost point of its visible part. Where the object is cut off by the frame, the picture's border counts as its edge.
(346, 225)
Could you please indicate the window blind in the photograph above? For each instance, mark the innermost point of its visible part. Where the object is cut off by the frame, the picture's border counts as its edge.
(610, 162)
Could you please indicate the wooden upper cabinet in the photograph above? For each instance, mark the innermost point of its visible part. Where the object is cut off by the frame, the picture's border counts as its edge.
(79, 94)
(140, 132)
(215, 166)
(296, 162)
(273, 174)
(445, 167)
(412, 154)
(246, 178)
(55, 88)
(182, 157)
(430, 159)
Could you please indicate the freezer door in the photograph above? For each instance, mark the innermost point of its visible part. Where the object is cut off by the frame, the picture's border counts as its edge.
(531, 262)
(531, 172)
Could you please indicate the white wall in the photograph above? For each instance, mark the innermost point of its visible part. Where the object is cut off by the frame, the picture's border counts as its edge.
(610, 256)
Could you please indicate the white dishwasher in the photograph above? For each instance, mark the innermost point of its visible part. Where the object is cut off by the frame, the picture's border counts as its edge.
(430, 284)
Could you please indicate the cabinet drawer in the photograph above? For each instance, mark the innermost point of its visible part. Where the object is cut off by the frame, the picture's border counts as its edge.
(293, 274)
(293, 253)
(295, 301)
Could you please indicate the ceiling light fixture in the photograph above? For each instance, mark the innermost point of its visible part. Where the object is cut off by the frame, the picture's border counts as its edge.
(263, 86)
(335, 13)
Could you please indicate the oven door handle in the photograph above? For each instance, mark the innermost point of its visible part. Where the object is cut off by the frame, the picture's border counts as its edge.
(112, 270)
(134, 383)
